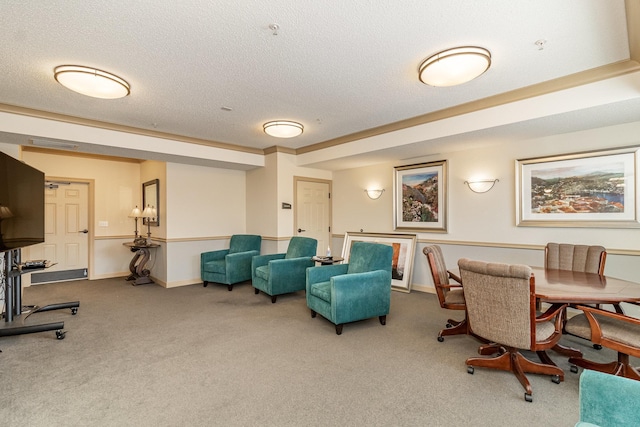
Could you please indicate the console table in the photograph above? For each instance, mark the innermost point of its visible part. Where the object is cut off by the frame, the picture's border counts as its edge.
(139, 274)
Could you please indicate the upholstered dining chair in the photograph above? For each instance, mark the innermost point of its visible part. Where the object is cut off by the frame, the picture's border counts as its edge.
(233, 265)
(582, 258)
(501, 308)
(450, 295)
(361, 289)
(615, 331)
(608, 401)
(283, 273)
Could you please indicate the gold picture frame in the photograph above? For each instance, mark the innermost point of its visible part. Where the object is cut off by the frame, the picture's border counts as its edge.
(588, 189)
(404, 247)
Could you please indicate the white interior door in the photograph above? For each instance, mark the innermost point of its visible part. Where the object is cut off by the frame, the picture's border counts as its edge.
(313, 207)
(66, 233)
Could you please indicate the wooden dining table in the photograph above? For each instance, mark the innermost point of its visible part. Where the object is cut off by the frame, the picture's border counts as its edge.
(563, 286)
(572, 287)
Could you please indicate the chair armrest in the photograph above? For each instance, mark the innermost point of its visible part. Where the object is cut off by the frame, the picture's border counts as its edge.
(325, 272)
(596, 330)
(260, 260)
(241, 256)
(287, 266)
(454, 277)
(213, 255)
(362, 287)
(557, 311)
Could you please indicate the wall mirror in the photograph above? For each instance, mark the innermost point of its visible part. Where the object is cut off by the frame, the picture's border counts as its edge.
(151, 197)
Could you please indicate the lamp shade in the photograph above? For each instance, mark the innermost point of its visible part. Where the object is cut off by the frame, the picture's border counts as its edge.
(374, 194)
(149, 212)
(283, 129)
(481, 185)
(91, 81)
(136, 213)
(5, 212)
(454, 66)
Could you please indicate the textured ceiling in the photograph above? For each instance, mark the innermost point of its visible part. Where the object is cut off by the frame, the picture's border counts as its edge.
(338, 67)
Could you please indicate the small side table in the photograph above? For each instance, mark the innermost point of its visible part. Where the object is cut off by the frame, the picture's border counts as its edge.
(323, 260)
(139, 274)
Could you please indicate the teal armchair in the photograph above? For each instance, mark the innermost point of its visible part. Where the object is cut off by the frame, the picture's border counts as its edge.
(608, 400)
(278, 274)
(233, 265)
(361, 289)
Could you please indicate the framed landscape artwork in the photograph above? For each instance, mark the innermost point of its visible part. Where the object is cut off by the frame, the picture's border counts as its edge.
(404, 246)
(596, 189)
(420, 197)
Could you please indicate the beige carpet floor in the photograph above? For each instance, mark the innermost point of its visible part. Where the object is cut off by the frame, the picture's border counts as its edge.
(195, 356)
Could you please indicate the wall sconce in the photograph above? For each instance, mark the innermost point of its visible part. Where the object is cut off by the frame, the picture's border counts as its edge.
(481, 185)
(374, 194)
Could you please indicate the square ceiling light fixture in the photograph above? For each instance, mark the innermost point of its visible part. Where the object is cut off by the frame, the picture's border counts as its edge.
(91, 82)
(283, 129)
(454, 66)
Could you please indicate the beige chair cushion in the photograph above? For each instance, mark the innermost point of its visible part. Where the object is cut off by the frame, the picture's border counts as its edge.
(612, 329)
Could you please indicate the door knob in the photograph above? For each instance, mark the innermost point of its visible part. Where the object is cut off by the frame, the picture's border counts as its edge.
(85, 231)
(300, 230)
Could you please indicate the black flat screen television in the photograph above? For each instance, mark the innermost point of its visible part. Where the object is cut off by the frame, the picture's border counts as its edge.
(21, 204)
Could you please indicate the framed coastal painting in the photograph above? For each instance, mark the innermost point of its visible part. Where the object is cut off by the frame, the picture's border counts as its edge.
(591, 189)
(420, 197)
(404, 246)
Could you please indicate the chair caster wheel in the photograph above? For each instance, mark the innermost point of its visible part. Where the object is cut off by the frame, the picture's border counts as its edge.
(448, 325)
(60, 335)
(74, 311)
(574, 369)
(597, 346)
(555, 379)
(528, 397)
(470, 370)
(440, 339)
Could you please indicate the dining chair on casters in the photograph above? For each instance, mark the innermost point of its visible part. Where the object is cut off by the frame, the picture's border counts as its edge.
(450, 295)
(583, 259)
(615, 331)
(501, 308)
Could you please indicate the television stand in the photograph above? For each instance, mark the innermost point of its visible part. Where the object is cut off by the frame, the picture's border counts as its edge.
(14, 318)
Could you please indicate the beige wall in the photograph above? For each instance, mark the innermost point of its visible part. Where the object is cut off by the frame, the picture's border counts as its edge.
(487, 221)
(202, 206)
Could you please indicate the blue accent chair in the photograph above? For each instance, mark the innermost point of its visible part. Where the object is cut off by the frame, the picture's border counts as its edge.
(277, 274)
(608, 400)
(233, 265)
(361, 289)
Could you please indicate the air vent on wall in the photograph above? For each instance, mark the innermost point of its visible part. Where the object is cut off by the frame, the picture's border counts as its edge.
(51, 143)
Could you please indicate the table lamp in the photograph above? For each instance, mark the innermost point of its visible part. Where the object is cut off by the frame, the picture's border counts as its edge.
(149, 213)
(135, 214)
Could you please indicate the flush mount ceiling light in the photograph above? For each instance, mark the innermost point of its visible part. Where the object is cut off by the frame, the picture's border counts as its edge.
(454, 66)
(283, 129)
(91, 82)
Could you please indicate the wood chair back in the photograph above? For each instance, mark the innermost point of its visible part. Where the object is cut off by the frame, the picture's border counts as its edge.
(582, 258)
(441, 276)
